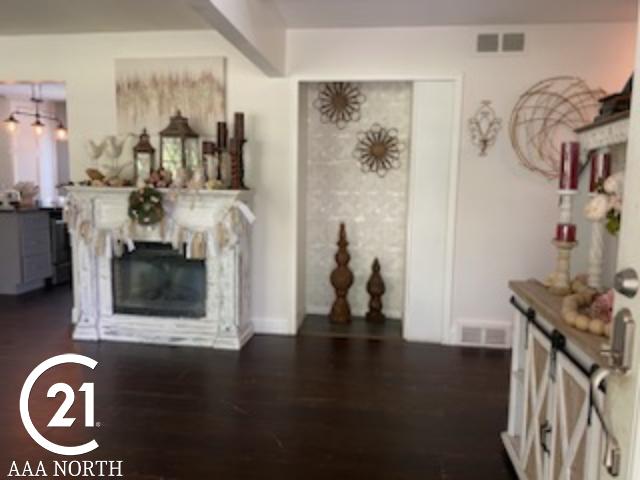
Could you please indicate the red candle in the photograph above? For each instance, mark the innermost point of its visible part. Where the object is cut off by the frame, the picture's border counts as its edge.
(600, 169)
(566, 232)
(569, 166)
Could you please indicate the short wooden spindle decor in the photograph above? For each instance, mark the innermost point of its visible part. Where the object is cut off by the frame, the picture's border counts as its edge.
(341, 280)
(375, 288)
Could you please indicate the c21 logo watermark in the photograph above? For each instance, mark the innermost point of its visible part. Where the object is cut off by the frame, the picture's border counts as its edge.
(60, 419)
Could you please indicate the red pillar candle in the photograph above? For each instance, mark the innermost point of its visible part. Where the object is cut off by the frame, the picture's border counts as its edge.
(566, 232)
(600, 169)
(569, 166)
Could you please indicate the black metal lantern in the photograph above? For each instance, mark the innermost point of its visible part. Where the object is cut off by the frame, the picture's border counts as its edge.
(179, 145)
(143, 156)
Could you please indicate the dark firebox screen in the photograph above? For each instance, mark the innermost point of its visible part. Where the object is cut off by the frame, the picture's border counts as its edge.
(157, 280)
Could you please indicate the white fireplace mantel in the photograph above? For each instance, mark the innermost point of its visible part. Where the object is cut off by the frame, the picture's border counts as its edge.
(100, 224)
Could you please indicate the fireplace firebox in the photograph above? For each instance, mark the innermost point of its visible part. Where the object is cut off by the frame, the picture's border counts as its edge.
(156, 280)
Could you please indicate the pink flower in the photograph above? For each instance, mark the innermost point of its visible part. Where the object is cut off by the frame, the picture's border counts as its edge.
(602, 306)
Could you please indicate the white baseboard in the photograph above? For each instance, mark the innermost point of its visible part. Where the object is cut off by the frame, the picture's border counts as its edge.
(272, 326)
(419, 337)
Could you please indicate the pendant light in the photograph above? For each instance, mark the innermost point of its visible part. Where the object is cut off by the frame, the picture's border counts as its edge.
(11, 122)
(61, 131)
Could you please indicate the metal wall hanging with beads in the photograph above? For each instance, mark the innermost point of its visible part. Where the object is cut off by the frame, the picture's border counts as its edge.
(378, 149)
(339, 103)
(484, 127)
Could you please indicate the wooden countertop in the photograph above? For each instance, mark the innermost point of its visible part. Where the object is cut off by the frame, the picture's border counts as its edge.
(548, 306)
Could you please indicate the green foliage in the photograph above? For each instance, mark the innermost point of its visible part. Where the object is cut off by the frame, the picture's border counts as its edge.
(613, 222)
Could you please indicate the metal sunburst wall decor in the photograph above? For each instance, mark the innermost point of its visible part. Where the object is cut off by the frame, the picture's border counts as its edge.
(339, 103)
(484, 127)
(378, 149)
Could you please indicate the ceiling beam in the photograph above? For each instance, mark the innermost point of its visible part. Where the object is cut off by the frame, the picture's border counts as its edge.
(254, 27)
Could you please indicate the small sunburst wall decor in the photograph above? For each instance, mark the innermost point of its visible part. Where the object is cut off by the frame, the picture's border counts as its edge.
(484, 127)
(339, 103)
(378, 149)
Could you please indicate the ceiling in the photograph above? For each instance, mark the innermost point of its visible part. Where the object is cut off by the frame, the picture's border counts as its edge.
(23, 17)
(54, 92)
(400, 13)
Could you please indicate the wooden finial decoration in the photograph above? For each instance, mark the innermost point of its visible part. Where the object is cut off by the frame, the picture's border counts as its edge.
(237, 164)
(375, 288)
(236, 146)
(341, 280)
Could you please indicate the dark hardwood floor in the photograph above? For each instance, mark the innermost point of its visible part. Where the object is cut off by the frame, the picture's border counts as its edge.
(284, 408)
(321, 326)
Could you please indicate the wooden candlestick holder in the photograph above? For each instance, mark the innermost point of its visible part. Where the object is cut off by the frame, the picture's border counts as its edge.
(560, 280)
(236, 147)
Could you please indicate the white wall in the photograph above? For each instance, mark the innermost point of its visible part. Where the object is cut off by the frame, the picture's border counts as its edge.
(505, 214)
(86, 64)
(433, 169)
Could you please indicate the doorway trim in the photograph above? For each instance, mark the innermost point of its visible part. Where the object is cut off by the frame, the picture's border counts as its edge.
(297, 305)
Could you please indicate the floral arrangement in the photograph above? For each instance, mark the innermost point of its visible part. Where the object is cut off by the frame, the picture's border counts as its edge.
(145, 206)
(159, 178)
(607, 203)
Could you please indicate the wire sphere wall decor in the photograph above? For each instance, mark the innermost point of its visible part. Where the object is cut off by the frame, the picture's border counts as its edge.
(484, 127)
(545, 115)
(339, 103)
(378, 149)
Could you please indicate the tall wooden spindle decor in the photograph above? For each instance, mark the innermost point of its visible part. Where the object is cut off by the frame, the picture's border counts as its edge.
(375, 288)
(341, 280)
(236, 147)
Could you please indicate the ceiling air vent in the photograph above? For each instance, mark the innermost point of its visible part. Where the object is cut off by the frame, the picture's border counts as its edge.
(488, 42)
(513, 42)
(499, 43)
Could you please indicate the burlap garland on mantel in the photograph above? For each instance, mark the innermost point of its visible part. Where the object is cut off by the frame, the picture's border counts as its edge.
(225, 232)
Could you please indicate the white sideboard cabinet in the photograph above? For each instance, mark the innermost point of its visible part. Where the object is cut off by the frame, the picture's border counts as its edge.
(554, 431)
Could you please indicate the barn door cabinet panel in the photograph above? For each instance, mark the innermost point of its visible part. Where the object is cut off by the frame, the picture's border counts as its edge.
(553, 431)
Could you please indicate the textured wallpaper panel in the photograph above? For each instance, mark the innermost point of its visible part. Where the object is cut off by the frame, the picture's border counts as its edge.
(374, 209)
